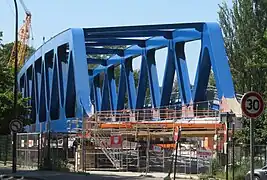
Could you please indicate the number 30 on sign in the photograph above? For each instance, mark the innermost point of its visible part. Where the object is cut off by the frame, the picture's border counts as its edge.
(252, 104)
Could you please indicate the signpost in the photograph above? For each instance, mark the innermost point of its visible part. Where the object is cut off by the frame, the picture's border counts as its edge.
(252, 106)
(15, 126)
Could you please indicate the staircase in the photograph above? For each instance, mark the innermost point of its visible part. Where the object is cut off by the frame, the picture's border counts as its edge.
(112, 154)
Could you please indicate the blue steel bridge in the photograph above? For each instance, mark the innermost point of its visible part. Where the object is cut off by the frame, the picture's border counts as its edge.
(71, 76)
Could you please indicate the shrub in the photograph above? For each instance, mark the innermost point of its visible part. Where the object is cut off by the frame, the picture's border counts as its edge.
(218, 171)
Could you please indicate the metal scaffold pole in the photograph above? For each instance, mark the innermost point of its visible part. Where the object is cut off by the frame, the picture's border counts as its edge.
(233, 150)
(147, 151)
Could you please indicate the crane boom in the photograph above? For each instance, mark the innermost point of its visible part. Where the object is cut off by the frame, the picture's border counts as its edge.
(24, 36)
(24, 7)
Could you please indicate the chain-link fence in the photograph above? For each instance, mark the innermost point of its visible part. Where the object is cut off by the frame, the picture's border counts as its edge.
(42, 151)
(239, 155)
(28, 150)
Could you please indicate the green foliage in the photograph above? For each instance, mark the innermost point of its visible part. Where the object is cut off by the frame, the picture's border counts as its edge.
(6, 93)
(212, 79)
(218, 171)
(7, 49)
(61, 165)
(245, 36)
(1, 36)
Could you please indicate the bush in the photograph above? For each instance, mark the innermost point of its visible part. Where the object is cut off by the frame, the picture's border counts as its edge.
(219, 174)
(60, 165)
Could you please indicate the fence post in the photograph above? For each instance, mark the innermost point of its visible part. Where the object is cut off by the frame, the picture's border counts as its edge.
(6, 149)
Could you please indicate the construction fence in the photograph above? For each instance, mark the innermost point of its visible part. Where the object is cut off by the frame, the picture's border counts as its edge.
(34, 152)
(54, 151)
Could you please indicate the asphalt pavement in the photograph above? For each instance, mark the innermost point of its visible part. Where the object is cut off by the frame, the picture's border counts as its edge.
(5, 174)
(48, 175)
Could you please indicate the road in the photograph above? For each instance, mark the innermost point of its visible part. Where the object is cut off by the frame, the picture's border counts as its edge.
(51, 175)
(93, 175)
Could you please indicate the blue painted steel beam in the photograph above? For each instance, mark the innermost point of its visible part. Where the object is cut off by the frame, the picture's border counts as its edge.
(130, 83)
(103, 62)
(97, 92)
(90, 50)
(186, 35)
(202, 75)
(70, 92)
(153, 77)
(167, 34)
(112, 88)
(142, 84)
(42, 108)
(132, 51)
(105, 103)
(61, 87)
(213, 54)
(182, 74)
(114, 41)
(197, 26)
(168, 76)
(122, 88)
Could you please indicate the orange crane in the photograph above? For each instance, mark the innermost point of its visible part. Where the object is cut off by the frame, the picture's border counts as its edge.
(24, 36)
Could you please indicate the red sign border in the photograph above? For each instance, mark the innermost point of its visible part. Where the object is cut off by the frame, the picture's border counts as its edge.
(243, 104)
(112, 144)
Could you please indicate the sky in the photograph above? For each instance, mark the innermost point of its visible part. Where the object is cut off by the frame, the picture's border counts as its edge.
(50, 17)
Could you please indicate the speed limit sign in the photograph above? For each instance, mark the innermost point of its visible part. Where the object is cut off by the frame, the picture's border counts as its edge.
(252, 104)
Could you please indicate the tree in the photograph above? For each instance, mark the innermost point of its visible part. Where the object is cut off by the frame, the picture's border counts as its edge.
(1, 36)
(245, 36)
(6, 93)
(7, 49)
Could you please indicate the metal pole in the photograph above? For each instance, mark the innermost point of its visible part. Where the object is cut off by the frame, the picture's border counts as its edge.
(233, 150)
(251, 149)
(171, 168)
(14, 155)
(175, 161)
(227, 147)
(176, 151)
(147, 151)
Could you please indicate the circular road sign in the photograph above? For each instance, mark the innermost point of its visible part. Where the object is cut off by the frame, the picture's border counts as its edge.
(252, 104)
(15, 125)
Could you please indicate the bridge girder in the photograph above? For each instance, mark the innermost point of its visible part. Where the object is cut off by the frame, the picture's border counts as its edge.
(61, 87)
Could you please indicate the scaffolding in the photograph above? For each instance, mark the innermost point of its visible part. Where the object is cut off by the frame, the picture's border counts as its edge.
(145, 137)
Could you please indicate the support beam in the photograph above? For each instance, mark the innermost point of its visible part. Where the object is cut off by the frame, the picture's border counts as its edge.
(142, 85)
(182, 74)
(153, 77)
(122, 89)
(97, 92)
(112, 88)
(130, 83)
(168, 76)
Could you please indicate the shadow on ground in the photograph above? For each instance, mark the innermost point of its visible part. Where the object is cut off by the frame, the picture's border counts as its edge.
(51, 175)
